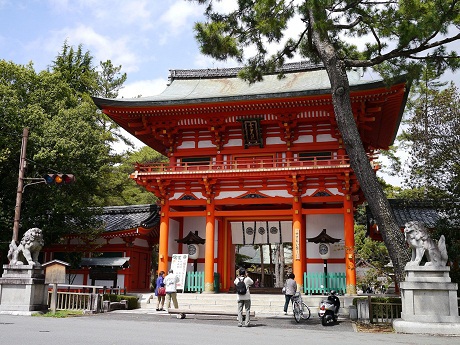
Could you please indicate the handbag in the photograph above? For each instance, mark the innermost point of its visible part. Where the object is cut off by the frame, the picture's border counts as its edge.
(161, 291)
(283, 290)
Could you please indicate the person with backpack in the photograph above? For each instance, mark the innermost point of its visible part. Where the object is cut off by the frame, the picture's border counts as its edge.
(242, 284)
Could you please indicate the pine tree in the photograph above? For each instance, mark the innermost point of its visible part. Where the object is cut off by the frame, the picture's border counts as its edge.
(394, 36)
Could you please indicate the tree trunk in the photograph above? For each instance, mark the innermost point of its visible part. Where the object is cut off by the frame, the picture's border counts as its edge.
(282, 265)
(277, 270)
(373, 192)
(262, 265)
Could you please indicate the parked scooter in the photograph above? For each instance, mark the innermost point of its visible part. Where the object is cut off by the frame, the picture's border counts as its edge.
(329, 309)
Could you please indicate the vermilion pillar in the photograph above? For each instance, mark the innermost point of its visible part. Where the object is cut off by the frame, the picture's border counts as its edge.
(298, 239)
(209, 248)
(164, 237)
(350, 269)
(221, 249)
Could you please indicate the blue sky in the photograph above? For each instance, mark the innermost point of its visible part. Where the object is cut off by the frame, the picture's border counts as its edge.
(147, 38)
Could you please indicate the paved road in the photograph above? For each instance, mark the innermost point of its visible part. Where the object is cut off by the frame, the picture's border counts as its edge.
(121, 328)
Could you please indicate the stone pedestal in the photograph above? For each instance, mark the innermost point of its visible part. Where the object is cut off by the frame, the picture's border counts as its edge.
(23, 290)
(429, 302)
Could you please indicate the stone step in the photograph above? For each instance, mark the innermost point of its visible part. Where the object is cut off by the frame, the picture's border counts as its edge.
(260, 303)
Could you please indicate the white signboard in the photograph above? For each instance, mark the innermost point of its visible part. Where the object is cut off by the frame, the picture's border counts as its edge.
(179, 267)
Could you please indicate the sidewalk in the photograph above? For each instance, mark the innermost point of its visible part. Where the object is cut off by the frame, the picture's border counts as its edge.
(132, 327)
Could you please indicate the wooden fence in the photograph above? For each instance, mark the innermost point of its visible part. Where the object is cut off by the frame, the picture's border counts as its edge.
(378, 309)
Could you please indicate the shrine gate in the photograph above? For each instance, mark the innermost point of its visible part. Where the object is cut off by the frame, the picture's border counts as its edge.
(260, 163)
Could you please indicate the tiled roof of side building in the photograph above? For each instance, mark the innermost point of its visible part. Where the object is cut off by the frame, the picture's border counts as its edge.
(411, 210)
(118, 218)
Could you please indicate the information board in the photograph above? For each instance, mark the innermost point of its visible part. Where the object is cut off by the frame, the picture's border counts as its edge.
(179, 267)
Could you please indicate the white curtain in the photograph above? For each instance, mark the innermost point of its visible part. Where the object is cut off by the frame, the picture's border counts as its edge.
(261, 232)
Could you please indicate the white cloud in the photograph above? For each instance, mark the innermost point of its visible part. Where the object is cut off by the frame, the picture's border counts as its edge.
(203, 61)
(178, 18)
(143, 88)
(102, 48)
(108, 13)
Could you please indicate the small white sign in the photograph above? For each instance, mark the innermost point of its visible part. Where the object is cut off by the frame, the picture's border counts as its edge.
(179, 267)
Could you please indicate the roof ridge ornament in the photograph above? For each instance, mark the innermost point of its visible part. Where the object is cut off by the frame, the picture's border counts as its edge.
(233, 71)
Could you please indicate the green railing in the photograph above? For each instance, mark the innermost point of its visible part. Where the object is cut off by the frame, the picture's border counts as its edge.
(314, 283)
(321, 283)
(194, 282)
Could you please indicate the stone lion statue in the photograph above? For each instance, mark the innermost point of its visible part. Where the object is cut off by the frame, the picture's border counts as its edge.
(419, 240)
(28, 248)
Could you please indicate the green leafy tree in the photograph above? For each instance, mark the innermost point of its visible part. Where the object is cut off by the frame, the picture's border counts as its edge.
(122, 189)
(394, 37)
(373, 255)
(77, 69)
(66, 136)
(110, 80)
(433, 140)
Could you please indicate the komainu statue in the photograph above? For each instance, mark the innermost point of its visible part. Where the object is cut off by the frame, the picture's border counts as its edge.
(28, 248)
(419, 240)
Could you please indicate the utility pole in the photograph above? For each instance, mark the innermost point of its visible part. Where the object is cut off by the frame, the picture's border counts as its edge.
(22, 166)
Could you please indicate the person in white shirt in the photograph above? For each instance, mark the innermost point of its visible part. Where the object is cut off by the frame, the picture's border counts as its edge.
(244, 300)
(170, 282)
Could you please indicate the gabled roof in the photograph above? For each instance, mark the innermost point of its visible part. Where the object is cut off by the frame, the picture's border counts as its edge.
(219, 85)
(191, 238)
(323, 237)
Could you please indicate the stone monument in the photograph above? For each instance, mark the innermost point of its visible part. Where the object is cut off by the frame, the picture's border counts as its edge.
(429, 298)
(22, 286)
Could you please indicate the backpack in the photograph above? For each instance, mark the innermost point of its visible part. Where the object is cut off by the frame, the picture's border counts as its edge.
(241, 287)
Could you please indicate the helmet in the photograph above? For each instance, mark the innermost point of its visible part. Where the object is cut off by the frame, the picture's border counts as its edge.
(333, 292)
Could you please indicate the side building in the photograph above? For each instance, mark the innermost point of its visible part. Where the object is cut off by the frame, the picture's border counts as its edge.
(257, 164)
(121, 256)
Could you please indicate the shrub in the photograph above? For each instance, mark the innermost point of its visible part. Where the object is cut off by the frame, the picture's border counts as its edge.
(132, 300)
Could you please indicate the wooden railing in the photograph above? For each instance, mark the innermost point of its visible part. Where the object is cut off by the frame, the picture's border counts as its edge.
(384, 312)
(85, 298)
(379, 309)
(321, 283)
(91, 289)
(244, 164)
(76, 301)
(375, 309)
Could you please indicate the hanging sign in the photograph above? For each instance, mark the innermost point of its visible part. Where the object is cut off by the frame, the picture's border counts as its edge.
(179, 267)
(297, 244)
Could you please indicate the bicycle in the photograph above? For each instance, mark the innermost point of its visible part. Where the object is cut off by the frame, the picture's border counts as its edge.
(300, 308)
